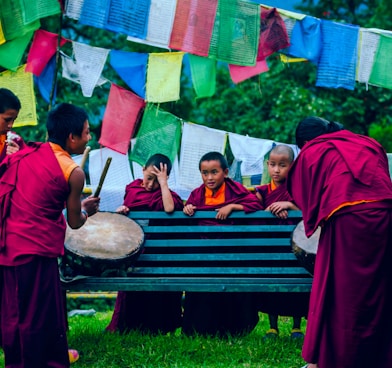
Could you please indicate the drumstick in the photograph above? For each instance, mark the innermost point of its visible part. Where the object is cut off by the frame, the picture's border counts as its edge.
(102, 178)
(84, 157)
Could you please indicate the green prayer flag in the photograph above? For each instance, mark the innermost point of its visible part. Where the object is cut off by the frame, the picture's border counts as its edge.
(34, 10)
(203, 75)
(11, 52)
(236, 33)
(381, 75)
(159, 132)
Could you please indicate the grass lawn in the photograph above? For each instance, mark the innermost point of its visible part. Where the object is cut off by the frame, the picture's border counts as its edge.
(102, 350)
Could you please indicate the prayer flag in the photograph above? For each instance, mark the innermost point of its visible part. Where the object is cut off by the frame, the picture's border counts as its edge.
(163, 76)
(236, 32)
(44, 46)
(368, 45)
(94, 13)
(45, 80)
(203, 75)
(2, 38)
(159, 25)
(193, 25)
(119, 121)
(128, 17)
(21, 83)
(273, 34)
(90, 62)
(73, 9)
(240, 73)
(305, 41)
(11, 52)
(132, 68)
(338, 59)
(34, 10)
(11, 19)
(160, 132)
(381, 73)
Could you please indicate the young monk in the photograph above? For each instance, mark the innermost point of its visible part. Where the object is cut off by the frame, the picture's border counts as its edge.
(9, 110)
(275, 198)
(152, 312)
(219, 313)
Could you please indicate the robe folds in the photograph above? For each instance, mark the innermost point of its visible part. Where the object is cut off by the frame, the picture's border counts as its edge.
(33, 192)
(221, 314)
(294, 304)
(152, 312)
(341, 182)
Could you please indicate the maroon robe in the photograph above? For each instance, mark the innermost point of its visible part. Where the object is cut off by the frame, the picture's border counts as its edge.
(145, 311)
(33, 191)
(221, 314)
(294, 304)
(350, 319)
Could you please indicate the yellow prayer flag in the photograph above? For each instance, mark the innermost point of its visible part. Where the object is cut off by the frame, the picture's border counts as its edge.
(2, 38)
(163, 76)
(21, 83)
(290, 59)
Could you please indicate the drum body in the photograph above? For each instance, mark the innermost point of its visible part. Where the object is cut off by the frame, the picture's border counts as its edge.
(305, 248)
(107, 243)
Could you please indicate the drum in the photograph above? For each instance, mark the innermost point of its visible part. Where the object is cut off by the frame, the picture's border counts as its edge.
(305, 248)
(107, 243)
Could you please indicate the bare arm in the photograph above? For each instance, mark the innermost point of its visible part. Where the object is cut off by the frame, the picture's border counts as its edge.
(224, 212)
(279, 209)
(167, 198)
(75, 217)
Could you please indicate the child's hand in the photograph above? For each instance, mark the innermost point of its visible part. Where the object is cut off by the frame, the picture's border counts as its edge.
(224, 212)
(189, 209)
(161, 174)
(279, 209)
(12, 147)
(123, 210)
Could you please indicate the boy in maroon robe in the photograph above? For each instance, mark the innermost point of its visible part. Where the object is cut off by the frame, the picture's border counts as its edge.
(219, 314)
(9, 110)
(341, 182)
(275, 198)
(152, 312)
(35, 185)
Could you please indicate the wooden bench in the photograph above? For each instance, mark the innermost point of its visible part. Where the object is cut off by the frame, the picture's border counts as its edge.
(252, 255)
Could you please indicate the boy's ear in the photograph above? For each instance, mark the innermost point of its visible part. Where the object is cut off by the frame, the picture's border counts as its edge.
(226, 171)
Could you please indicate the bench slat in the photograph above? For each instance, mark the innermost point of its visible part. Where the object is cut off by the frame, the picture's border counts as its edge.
(171, 243)
(216, 257)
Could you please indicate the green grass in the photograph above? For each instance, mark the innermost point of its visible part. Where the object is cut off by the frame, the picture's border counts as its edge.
(102, 350)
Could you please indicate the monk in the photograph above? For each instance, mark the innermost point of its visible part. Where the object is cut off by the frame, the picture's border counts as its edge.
(275, 198)
(150, 312)
(341, 182)
(35, 185)
(10, 106)
(219, 314)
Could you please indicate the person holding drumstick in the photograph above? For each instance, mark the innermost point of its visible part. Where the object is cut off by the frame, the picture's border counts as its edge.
(35, 185)
(275, 198)
(152, 312)
(340, 181)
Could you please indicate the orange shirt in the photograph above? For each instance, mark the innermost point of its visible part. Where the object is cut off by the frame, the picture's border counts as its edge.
(64, 159)
(3, 138)
(218, 198)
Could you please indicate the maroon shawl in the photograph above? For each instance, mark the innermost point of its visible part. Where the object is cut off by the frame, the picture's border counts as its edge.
(32, 222)
(271, 196)
(139, 199)
(336, 168)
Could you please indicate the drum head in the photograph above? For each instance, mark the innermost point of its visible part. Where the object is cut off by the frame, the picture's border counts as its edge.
(305, 248)
(107, 240)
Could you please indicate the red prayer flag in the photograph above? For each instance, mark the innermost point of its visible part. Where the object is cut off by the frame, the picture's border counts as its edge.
(42, 49)
(120, 118)
(193, 25)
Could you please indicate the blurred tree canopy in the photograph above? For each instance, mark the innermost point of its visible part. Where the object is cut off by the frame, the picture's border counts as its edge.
(267, 106)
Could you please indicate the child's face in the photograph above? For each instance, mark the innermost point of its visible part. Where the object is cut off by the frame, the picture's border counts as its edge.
(150, 181)
(7, 119)
(278, 167)
(212, 174)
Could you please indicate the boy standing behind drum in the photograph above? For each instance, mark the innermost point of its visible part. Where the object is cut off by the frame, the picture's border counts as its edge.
(153, 312)
(275, 198)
